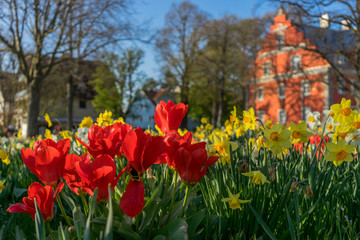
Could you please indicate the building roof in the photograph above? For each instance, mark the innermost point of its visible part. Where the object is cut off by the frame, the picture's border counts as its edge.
(327, 39)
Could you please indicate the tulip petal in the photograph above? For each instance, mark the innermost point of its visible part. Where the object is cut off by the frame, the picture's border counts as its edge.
(132, 201)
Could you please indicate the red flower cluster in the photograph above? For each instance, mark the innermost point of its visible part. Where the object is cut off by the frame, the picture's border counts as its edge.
(50, 161)
(315, 141)
(45, 198)
(107, 140)
(47, 160)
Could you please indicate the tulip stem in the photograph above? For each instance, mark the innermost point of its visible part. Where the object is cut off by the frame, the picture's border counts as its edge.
(63, 211)
(173, 195)
(50, 231)
(85, 205)
(166, 180)
(185, 199)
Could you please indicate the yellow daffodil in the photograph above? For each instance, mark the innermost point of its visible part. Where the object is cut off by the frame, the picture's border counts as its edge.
(355, 121)
(48, 134)
(268, 124)
(233, 115)
(159, 130)
(4, 157)
(208, 126)
(234, 201)
(299, 132)
(66, 134)
(2, 186)
(119, 120)
(342, 112)
(182, 132)
(260, 142)
(19, 134)
(257, 177)
(48, 120)
(249, 119)
(221, 145)
(105, 119)
(339, 152)
(86, 122)
(229, 127)
(341, 131)
(251, 143)
(277, 138)
(204, 120)
(239, 128)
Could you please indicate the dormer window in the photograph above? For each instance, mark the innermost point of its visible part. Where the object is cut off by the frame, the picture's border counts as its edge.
(280, 40)
(266, 68)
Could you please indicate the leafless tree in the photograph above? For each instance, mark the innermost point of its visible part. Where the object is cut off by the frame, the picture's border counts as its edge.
(178, 44)
(9, 85)
(42, 34)
(338, 40)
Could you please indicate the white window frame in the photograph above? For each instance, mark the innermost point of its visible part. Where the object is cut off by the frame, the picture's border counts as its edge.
(280, 112)
(304, 88)
(281, 85)
(261, 115)
(295, 65)
(280, 40)
(260, 97)
(266, 67)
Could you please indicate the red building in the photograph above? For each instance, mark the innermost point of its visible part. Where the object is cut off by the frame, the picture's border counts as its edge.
(289, 78)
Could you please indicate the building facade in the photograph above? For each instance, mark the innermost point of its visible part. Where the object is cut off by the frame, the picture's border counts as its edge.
(289, 78)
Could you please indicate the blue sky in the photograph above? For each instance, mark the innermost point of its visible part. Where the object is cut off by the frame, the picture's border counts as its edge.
(153, 12)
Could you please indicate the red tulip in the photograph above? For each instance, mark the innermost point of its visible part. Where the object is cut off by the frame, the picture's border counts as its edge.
(45, 199)
(142, 150)
(192, 162)
(132, 201)
(173, 141)
(71, 176)
(316, 139)
(47, 161)
(168, 116)
(107, 140)
(98, 174)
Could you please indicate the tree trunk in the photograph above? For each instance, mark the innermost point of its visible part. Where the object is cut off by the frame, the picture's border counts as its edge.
(214, 112)
(222, 104)
(70, 97)
(33, 107)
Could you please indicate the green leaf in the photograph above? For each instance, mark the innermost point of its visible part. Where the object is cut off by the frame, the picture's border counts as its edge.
(2, 231)
(149, 210)
(62, 235)
(176, 229)
(91, 211)
(19, 234)
(128, 234)
(262, 223)
(291, 226)
(79, 221)
(194, 222)
(19, 191)
(109, 222)
(39, 224)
